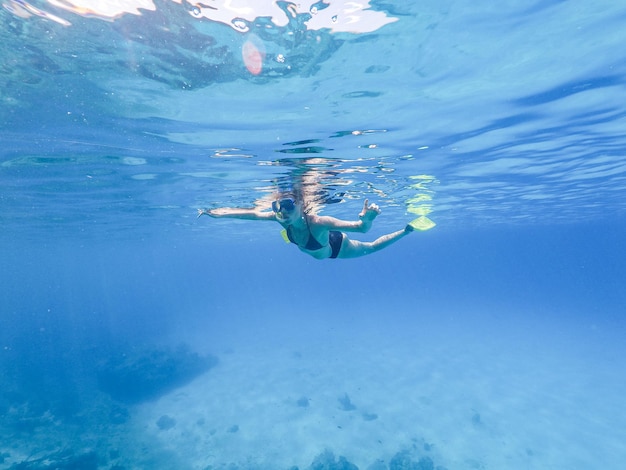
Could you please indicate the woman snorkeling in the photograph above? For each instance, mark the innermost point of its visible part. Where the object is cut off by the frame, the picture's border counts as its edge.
(319, 236)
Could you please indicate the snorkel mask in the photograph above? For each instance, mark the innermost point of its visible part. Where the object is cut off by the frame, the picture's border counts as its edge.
(283, 207)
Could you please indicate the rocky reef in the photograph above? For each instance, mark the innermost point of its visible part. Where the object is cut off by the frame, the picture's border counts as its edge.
(137, 376)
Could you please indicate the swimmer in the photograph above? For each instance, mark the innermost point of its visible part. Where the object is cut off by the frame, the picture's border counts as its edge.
(319, 236)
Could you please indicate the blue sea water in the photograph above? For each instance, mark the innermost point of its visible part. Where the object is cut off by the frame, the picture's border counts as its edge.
(493, 340)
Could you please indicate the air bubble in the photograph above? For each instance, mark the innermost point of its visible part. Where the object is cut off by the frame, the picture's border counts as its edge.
(240, 25)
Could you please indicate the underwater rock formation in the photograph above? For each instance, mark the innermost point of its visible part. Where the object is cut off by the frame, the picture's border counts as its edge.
(369, 416)
(402, 461)
(326, 461)
(303, 402)
(146, 375)
(165, 422)
(345, 403)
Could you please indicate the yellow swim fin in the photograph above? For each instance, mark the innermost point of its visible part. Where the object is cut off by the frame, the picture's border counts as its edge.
(421, 223)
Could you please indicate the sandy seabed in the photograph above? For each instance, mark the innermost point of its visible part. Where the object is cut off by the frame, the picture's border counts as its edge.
(466, 399)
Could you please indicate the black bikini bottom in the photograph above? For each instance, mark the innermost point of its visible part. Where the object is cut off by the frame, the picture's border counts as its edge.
(334, 240)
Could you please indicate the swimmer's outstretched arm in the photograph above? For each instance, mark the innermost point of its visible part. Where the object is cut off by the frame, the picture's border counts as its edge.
(366, 217)
(237, 213)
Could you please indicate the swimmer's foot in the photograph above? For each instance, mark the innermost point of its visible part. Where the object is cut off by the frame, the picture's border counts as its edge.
(421, 223)
(202, 212)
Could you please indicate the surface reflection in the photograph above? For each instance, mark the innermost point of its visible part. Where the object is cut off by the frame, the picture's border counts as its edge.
(338, 16)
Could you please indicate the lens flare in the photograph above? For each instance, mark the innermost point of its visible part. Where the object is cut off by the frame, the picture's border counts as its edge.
(253, 54)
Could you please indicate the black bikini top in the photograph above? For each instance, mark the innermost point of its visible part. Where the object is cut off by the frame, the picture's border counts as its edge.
(311, 244)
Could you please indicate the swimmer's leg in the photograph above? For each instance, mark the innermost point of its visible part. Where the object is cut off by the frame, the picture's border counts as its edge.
(355, 248)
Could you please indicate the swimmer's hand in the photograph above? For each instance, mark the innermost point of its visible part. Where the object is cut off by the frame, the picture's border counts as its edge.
(203, 212)
(368, 214)
(214, 212)
(225, 212)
